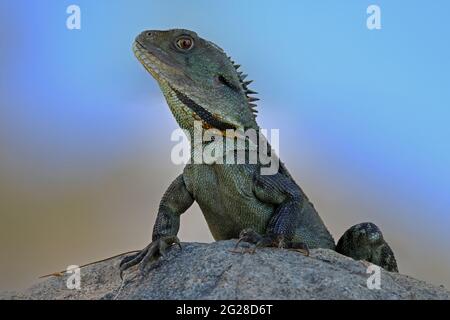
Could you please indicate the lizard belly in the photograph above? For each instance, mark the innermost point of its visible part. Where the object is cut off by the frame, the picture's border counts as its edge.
(224, 193)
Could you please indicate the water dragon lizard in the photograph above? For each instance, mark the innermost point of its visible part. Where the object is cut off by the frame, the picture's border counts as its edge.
(201, 83)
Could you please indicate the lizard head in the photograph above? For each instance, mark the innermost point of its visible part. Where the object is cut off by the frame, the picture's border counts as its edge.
(199, 81)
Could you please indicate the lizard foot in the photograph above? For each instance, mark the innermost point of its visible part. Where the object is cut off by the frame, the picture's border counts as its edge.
(268, 240)
(365, 241)
(298, 247)
(251, 236)
(149, 254)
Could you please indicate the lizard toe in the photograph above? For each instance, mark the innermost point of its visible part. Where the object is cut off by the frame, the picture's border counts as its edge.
(149, 254)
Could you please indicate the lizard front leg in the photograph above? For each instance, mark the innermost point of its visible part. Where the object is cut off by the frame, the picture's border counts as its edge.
(282, 192)
(175, 201)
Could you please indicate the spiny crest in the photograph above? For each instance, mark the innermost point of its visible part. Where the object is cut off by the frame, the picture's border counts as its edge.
(245, 83)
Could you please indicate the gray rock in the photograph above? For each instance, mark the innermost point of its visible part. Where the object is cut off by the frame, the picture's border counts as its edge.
(211, 271)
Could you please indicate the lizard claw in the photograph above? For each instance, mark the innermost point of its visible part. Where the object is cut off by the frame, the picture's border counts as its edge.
(268, 240)
(299, 247)
(251, 236)
(149, 254)
(246, 235)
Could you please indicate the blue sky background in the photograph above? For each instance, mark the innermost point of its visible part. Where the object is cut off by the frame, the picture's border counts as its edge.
(363, 115)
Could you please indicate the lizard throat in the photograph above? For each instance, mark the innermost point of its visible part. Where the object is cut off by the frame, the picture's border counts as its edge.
(207, 117)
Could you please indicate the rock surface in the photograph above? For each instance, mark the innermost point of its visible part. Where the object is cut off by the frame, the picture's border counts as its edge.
(211, 271)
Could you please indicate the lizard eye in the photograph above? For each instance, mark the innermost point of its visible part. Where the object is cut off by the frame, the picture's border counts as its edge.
(185, 43)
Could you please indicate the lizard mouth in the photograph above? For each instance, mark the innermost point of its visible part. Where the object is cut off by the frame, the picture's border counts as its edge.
(156, 61)
(149, 59)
